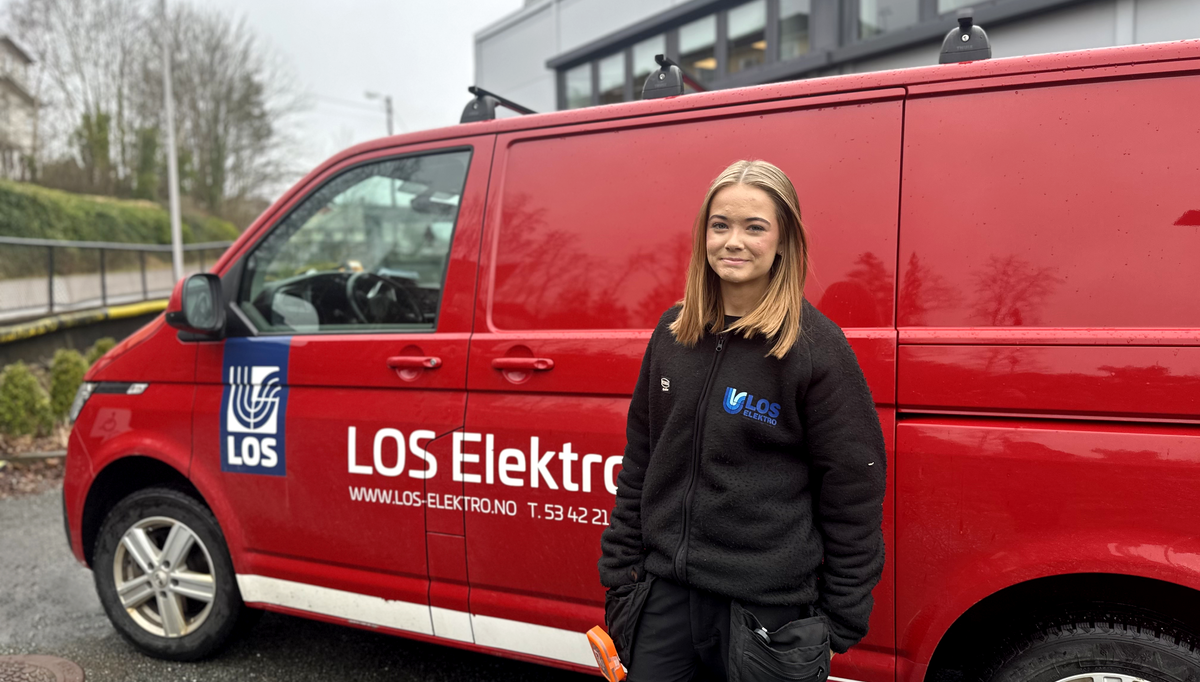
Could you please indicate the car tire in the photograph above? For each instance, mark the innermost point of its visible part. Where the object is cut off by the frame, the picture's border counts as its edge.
(165, 578)
(1104, 649)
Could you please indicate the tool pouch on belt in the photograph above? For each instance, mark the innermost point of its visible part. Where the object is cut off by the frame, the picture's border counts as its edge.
(798, 650)
(622, 612)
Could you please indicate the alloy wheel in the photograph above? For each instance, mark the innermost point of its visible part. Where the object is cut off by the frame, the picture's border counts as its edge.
(164, 577)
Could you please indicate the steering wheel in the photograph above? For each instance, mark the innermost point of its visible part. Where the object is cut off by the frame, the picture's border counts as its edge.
(384, 300)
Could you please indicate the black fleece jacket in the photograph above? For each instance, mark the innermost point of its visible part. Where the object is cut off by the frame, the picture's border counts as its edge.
(753, 477)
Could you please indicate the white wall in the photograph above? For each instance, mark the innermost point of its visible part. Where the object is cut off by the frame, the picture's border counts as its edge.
(583, 21)
(512, 61)
(16, 121)
(1158, 20)
(511, 55)
(1073, 28)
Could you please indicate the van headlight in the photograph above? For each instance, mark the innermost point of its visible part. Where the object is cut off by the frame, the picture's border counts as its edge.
(81, 398)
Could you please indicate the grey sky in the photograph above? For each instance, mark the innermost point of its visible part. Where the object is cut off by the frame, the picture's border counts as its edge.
(421, 53)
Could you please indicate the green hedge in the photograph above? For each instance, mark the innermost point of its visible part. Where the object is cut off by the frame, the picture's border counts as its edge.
(66, 373)
(24, 405)
(36, 212)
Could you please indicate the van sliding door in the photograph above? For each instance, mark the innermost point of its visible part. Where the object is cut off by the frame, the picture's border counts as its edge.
(586, 240)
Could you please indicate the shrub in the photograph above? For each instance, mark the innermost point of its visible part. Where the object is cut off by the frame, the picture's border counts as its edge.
(24, 407)
(66, 373)
(98, 349)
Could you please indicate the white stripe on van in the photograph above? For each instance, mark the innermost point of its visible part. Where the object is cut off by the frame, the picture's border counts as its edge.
(362, 608)
(452, 624)
(498, 633)
(537, 640)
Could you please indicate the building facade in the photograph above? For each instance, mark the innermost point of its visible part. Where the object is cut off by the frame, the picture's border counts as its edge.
(18, 111)
(564, 54)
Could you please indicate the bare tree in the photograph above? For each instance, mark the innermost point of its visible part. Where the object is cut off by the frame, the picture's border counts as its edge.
(86, 52)
(99, 77)
(234, 100)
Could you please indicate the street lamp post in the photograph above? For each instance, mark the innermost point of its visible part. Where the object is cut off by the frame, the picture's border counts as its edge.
(387, 106)
(172, 161)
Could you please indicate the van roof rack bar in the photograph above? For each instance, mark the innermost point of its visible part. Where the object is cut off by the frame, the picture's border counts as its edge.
(483, 107)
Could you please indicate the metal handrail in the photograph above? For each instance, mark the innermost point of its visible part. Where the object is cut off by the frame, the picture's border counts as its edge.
(115, 246)
(102, 247)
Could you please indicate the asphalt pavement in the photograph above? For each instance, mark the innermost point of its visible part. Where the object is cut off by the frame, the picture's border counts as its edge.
(48, 606)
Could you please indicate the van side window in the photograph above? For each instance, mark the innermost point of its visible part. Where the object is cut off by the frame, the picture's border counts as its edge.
(366, 251)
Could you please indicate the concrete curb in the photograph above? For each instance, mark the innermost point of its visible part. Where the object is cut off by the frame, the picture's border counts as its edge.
(53, 323)
(49, 454)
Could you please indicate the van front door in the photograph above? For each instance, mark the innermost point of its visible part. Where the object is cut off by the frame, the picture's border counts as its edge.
(358, 304)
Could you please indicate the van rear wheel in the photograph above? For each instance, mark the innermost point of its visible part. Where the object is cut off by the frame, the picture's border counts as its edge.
(164, 575)
(1103, 650)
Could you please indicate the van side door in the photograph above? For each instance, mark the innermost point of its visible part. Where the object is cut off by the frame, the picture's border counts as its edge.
(316, 422)
(587, 238)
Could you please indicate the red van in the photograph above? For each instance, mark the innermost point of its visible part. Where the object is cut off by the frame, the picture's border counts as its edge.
(405, 410)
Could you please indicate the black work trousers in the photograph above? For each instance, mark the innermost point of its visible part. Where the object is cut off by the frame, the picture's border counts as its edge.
(684, 633)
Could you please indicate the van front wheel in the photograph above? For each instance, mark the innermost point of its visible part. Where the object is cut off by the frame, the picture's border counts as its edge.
(1099, 651)
(164, 576)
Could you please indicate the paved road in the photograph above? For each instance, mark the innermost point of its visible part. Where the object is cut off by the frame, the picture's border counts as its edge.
(48, 606)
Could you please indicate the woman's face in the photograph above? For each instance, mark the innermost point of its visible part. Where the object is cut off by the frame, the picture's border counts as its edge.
(742, 234)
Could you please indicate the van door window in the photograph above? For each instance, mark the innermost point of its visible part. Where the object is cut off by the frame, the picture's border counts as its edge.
(367, 251)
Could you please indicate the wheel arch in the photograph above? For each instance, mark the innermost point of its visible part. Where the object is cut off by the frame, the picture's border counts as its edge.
(977, 635)
(119, 479)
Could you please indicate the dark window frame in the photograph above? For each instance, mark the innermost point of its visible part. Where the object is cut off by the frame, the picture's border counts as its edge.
(833, 39)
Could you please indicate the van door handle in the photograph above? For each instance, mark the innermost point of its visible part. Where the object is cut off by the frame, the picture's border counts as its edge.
(414, 362)
(538, 364)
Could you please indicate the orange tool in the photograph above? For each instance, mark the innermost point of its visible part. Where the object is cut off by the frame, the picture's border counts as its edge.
(606, 654)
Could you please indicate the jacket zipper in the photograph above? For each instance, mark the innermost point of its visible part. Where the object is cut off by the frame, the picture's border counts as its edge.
(697, 441)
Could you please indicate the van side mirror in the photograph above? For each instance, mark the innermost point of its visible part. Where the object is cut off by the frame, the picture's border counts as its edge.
(201, 308)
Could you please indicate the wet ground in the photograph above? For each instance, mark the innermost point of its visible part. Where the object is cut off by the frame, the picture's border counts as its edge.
(48, 605)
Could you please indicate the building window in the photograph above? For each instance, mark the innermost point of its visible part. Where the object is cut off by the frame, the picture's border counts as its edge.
(793, 27)
(697, 48)
(747, 36)
(612, 78)
(643, 61)
(579, 86)
(876, 17)
(944, 6)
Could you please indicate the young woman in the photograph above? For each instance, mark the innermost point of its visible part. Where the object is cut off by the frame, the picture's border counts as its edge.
(746, 536)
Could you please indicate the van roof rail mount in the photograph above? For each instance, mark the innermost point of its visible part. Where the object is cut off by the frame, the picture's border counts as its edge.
(668, 80)
(967, 43)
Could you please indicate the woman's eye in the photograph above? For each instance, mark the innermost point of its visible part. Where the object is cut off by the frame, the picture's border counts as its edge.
(718, 226)
(754, 227)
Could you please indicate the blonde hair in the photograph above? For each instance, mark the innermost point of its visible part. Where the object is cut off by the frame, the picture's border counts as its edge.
(777, 315)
